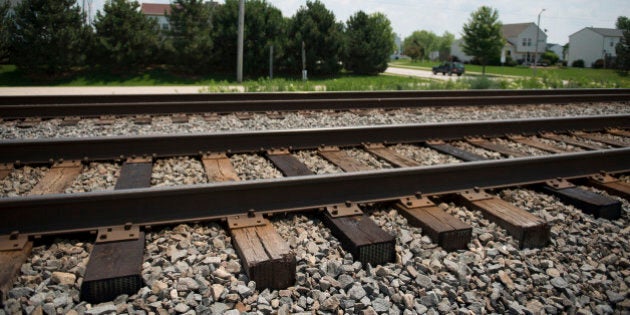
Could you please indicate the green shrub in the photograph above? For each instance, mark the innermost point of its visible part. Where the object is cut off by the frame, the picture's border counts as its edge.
(578, 63)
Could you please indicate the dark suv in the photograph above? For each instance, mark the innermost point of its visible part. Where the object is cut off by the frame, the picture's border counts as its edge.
(450, 68)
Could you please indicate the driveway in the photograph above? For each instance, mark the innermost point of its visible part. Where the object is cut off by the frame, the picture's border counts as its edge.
(420, 73)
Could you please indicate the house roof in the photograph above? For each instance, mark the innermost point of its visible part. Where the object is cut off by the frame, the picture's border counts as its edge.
(607, 32)
(513, 30)
(155, 8)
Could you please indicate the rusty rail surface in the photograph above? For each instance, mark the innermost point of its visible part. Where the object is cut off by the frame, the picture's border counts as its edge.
(154, 206)
(85, 211)
(111, 148)
(17, 107)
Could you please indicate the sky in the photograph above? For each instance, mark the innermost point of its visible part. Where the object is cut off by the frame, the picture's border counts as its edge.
(561, 18)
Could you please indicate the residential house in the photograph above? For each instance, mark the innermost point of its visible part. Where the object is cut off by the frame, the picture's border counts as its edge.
(520, 39)
(591, 44)
(157, 11)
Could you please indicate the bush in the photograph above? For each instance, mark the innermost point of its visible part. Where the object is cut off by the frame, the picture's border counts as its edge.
(578, 63)
(598, 64)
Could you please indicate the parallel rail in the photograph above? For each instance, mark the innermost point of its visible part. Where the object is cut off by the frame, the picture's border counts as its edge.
(45, 214)
(111, 148)
(14, 107)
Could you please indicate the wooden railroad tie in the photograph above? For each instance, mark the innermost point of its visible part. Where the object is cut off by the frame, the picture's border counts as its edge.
(179, 118)
(29, 122)
(70, 121)
(591, 203)
(265, 255)
(58, 178)
(142, 120)
(5, 170)
(288, 164)
(444, 229)
(219, 168)
(359, 235)
(536, 144)
(619, 132)
(342, 159)
(598, 138)
(14, 251)
(611, 185)
(266, 258)
(275, 115)
(441, 146)
(243, 115)
(105, 120)
(572, 141)
(15, 248)
(115, 264)
(528, 229)
(500, 148)
(389, 155)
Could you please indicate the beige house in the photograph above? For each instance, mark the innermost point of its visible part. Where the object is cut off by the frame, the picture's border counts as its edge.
(520, 43)
(157, 11)
(591, 44)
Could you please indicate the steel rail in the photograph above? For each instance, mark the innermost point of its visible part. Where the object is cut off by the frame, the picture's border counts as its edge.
(111, 148)
(291, 103)
(206, 97)
(154, 206)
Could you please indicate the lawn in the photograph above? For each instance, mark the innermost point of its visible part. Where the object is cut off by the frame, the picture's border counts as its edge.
(580, 76)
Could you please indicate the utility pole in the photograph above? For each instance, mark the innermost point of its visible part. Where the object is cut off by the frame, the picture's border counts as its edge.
(304, 73)
(271, 62)
(536, 50)
(241, 31)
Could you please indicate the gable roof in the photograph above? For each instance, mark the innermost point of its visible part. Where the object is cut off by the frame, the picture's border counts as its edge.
(513, 30)
(155, 8)
(607, 32)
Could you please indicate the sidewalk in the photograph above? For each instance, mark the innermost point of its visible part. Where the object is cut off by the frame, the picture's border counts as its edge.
(97, 90)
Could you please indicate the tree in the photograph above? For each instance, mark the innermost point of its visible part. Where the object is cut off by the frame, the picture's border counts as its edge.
(49, 36)
(264, 27)
(370, 42)
(191, 35)
(623, 47)
(125, 38)
(420, 44)
(482, 36)
(444, 45)
(549, 57)
(5, 34)
(322, 35)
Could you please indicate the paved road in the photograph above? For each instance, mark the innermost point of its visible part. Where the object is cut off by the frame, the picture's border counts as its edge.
(420, 73)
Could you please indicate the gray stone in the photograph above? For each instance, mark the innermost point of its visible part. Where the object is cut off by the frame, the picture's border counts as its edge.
(559, 282)
(430, 300)
(356, 292)
(244, 291)
(104, 308)
(381, 305)
(345, 281)
(330, 304)
(232, 312)
(181, 308)
(189, 283)
(218, 308)
(424, 281)
(63, 278)
(614, 297)
(19, 292)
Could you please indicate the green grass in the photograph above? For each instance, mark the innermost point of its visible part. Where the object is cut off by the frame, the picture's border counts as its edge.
(577, 77)
(515, 78)
(11, 76)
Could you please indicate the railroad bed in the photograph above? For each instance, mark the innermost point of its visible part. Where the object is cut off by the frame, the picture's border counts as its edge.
(487, 259)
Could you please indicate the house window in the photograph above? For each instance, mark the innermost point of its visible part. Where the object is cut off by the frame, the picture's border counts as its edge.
(165, 26)
(529, 42)
(524, 41)
(612, 43)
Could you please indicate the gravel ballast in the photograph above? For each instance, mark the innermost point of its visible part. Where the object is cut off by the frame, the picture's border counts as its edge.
(125, 126)
(194, 269)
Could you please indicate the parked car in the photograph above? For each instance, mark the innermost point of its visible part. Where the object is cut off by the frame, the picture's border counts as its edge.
(450, 68)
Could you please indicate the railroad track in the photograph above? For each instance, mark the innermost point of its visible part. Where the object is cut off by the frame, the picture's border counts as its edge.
(45, 107)
(575, 149)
